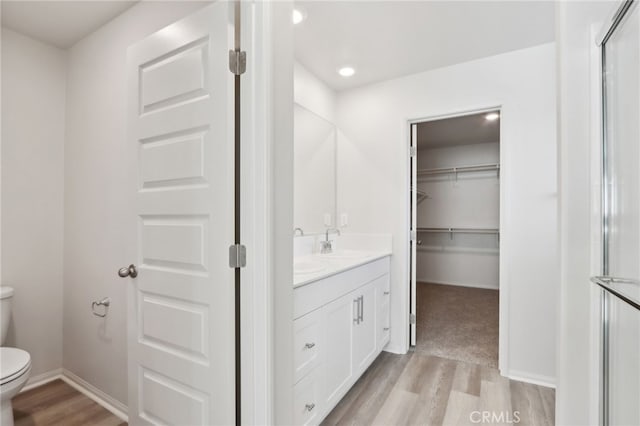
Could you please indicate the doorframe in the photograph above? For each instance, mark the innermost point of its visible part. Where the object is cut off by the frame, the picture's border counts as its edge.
(254, 309)
(267, 216)
(503, 321)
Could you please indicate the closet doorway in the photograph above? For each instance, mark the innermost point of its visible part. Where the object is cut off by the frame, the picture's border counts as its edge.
(455, 237)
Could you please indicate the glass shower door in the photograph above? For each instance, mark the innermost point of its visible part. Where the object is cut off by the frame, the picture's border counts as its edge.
(620, 283)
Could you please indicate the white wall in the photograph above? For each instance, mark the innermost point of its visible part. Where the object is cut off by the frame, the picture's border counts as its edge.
(33, 114)
(576, 396)
(472, 200)
(99, 207)
(373, 184)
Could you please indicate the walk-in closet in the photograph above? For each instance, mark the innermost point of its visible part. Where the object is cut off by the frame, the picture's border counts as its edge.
(456, 237)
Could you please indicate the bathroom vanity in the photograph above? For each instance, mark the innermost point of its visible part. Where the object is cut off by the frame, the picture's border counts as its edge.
(341, 324)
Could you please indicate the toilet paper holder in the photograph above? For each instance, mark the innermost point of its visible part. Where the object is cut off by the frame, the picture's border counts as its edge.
(104, 302)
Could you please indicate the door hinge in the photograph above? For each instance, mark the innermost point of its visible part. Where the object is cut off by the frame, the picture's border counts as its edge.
(413, 151)
(412, 318)
(413, 235)
(237, 61)
(237, 256)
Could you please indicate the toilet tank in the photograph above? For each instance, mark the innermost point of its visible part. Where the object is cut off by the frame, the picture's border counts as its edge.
(6, 297)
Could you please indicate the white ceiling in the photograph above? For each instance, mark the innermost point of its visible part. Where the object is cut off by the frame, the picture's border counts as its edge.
(465, 130)
(389, 39)
(60, 23)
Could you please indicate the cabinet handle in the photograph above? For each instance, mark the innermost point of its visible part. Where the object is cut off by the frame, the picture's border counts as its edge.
(361, 318)
(386, 293)
(310, 407)
(309, 345)
(356, 320)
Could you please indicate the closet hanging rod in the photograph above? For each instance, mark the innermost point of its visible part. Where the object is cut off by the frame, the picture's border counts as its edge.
(461, 230)
(472, 168)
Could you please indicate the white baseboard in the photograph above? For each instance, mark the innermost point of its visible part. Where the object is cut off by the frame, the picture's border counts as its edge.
(394, 350)
(485, 286)
(534, 379)
(42, 379)
(92, 392)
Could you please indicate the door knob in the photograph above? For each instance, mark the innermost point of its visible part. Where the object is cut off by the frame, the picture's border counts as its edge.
(128, 271)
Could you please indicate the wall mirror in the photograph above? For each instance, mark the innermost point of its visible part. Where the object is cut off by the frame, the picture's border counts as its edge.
(314, 196)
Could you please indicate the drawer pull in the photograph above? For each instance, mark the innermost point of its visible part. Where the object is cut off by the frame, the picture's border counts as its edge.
(310, 407)
(309, 345)
(386, 293)
(386, 329)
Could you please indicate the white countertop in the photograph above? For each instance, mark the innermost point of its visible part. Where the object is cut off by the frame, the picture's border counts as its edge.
(318, 266)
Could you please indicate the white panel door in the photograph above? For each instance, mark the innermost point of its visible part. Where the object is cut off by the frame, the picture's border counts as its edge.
(181, 304)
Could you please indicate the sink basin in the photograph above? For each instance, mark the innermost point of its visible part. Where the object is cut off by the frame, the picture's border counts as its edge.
(346, 255)
(307, 267)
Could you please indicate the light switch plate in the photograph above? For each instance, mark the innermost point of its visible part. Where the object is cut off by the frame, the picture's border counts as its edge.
(344, 219)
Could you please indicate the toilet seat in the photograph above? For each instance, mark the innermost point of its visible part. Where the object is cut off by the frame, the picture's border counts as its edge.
(14, 363)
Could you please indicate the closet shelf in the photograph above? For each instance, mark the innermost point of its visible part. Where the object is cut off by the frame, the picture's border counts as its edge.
(459, 230)
(460, 169)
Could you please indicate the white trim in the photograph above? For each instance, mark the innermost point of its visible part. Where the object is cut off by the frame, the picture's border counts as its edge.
(395, 349)
(534, 379)
(468, 285)
(109, 403)
(42, 379)
(257, 397)
(277, 61)
(503, 340)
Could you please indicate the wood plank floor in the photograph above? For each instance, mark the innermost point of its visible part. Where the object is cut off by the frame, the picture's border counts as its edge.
(421, 389)
(57, 403)
(412, 389)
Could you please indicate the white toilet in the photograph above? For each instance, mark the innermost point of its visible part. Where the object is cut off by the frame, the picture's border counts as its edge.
(15, 364)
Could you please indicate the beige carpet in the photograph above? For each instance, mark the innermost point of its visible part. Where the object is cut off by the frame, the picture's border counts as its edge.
(459, 323)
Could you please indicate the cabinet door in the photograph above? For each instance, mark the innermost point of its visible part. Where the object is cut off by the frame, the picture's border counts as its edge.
(338, 323)
(364, 329)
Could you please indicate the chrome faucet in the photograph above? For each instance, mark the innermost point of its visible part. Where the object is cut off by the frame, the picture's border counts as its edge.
(325, 246)
(298, 229)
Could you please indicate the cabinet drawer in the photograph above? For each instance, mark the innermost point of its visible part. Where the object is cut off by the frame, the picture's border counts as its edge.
(306, 400)
(307, 345)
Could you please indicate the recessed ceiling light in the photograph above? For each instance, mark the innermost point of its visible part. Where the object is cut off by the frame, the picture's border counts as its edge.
(492, 116)
(346, 71)
(298, 16)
